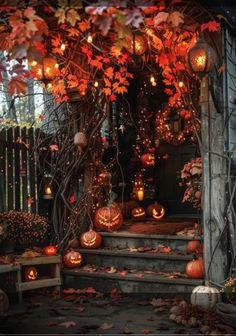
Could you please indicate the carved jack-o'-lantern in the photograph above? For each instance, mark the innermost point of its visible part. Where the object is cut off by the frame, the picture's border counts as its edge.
(156, 211)
(72, 259)
(148, 160)
(50, 250)
(138, 213)
(108, 218)
(31, 273)
(91, 240)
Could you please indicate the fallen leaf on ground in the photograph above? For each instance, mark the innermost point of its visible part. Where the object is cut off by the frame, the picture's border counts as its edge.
(111, 270)
(70, 291)
(147, 331)
(68, 324)
(52, 323)
(80, 309)
(143, 303)
(106, 326)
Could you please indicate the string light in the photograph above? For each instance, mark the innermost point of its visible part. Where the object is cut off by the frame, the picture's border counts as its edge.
(90, 39)
(96, 83)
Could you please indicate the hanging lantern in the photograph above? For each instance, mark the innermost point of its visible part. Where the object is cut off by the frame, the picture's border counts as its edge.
(137, 44)
(47, 187)
(201, 58)
(47, 69)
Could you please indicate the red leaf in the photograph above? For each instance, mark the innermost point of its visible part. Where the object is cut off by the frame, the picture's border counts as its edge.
(96, 63)
(109, 72)
(17, 86)
(212, 26)
(72, 199)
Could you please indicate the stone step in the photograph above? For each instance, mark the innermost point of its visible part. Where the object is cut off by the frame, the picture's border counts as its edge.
(124, 239)
(136, 260)
(130, 283)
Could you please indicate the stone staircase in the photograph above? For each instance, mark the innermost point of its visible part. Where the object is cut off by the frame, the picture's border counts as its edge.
(119, 265)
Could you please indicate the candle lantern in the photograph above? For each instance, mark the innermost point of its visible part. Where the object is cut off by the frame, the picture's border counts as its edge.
(201, 58)
(47, 187)
(137, 44)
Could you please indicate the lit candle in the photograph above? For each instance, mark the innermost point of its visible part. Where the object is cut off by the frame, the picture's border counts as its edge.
(48, 193)
(140, 194)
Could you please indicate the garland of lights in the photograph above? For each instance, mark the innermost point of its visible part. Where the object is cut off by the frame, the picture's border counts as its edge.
(164, 132)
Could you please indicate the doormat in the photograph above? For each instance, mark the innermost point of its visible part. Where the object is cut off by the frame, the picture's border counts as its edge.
(167, 228)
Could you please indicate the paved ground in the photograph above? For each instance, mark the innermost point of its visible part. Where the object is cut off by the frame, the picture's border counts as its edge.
(91, 314)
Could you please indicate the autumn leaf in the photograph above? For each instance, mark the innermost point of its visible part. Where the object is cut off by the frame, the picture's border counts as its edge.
(53, 148)
(73, 32)
(134, 17)
(72, 81)
(111, 270)
(84, 25)
(61, 15)
(121, 89)
(107, 91)
(107, 82)
(96, 63)
(68, 324)
(42, 117)
(69, 291)
(212, 26)
(17, 86)
(106, 326)
(175, 19)
(72, 16)
(109, 72)
(163, 60)
(160, 18)
(112, 97)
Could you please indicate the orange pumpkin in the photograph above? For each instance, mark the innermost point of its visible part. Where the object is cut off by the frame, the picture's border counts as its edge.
(148, 160)
(72, 259)
(194, 246)
(31, 273)
(50, 250)
(156, 211)
(91, 240)
(138, 213)
(108, 218)
(195, 269)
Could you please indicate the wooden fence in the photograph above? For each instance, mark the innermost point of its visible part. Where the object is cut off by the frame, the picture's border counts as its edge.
(18, 170)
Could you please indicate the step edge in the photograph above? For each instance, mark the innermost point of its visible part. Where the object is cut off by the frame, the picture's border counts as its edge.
(117, 234)
(128, 277)
(147, 255)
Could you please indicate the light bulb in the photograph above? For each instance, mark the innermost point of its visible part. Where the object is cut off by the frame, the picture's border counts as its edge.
(89, 39)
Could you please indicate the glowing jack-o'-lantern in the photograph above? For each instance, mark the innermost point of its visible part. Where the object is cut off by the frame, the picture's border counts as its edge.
(31, 273)
(72, 259)
(138, 213)
(156, 211)
(108, 218)
(50, 250)
(91, 239)
(148, 160)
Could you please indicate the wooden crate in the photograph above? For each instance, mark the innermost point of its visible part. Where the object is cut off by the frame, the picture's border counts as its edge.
(54, 279)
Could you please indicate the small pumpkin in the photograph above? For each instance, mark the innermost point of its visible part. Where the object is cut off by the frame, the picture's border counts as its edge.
(31, 273)
(156, 211)
(195, 268)
(205, 296)
(148, 160)
(4, 302)
(72, 259)
(194, 246)
(91, 239)
(50, 250)
(138, 213)
(108, 218)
